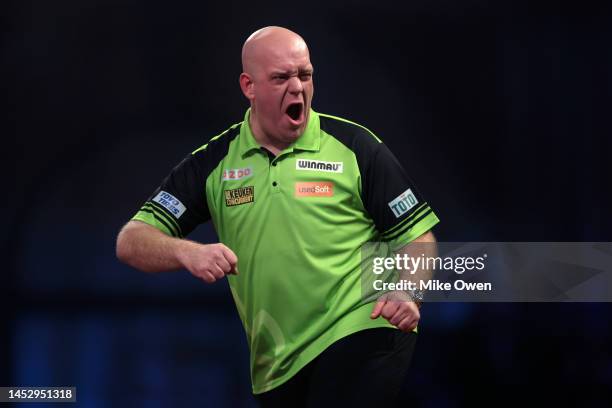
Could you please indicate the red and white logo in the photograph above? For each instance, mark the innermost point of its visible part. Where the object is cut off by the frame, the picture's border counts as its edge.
(236, 174)
(314, 189)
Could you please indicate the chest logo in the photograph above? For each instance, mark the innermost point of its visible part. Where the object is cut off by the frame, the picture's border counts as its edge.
(236, 174)
(318, 165)
(239, 196)
(314, 189)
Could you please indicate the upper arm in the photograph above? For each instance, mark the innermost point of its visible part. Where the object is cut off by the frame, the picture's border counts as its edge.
(179, 204)
(136, 226)
(130, 235)
(391, 199)
(400, 212)
(426, 237)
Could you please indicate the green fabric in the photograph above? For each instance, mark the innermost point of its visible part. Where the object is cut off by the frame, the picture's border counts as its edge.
(299, 256)
(152, 215)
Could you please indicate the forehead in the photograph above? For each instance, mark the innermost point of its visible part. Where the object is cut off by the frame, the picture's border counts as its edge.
(285, 58)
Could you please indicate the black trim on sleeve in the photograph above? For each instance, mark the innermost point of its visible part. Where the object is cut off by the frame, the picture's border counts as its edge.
(161, 211)
(408, 226)
(383, 179)
(161, 219)
(187, 181)
(415, 211)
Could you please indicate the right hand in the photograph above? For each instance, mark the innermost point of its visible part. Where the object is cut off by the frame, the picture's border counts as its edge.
(209, 262)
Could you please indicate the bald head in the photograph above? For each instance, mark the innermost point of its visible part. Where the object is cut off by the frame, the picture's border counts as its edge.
(276, 78)
(269, 43)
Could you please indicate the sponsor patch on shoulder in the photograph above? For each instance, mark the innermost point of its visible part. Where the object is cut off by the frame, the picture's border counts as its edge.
(170, 203)
(236, 174)
(314, 189)
(402, 203)
(239, 196)
(318, 165)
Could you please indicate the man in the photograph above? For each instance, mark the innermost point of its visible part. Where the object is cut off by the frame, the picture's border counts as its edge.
(293, 195)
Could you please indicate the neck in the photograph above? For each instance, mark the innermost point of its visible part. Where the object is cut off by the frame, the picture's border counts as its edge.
(271, 144)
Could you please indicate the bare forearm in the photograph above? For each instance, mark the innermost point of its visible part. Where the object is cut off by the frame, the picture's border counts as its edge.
(401, 308)
(148, 249)
(423, 247)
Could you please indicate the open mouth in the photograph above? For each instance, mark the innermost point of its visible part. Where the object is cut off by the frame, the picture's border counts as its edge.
(294, 111)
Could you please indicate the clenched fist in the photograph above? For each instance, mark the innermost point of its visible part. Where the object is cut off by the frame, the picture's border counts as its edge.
(398, 309)
(209, 262)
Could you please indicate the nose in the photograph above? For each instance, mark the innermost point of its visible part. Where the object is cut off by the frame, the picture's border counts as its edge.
(295, 85)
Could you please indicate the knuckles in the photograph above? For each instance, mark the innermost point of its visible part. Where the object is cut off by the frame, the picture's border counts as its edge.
(409, 326)
(209, 279)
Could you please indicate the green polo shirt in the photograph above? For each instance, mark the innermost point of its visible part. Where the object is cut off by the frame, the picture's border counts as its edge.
(297, 222)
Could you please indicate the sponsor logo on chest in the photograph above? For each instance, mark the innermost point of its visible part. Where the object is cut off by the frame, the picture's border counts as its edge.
(239, 196)
(314, 189)
(318, 165)
(236, 174)
(402, 203)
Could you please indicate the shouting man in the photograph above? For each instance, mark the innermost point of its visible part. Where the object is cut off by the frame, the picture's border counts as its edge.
(293, 195)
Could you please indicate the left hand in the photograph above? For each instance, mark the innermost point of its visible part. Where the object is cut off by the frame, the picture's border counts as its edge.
(398, 309)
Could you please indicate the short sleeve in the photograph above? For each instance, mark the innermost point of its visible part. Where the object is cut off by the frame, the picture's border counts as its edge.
(399, 211)
(179, 204)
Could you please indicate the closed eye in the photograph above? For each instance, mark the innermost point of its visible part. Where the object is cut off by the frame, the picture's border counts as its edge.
(280, 77)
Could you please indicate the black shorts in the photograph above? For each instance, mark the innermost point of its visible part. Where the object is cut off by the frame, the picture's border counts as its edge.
(367, 367)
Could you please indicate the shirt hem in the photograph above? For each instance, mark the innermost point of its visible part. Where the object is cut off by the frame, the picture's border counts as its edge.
(307, 357)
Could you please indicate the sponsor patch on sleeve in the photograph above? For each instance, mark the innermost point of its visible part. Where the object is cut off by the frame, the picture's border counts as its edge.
(170, 203)
(402, 203)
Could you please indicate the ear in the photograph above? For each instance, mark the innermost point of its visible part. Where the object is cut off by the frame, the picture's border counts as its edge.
(247, 85)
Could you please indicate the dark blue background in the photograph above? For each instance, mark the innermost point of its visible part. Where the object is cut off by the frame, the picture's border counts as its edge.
(500, 112)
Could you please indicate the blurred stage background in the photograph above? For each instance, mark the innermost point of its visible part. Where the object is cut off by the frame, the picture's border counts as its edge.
(500, 111)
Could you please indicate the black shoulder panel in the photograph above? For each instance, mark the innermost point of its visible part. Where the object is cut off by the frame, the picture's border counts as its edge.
(357, 138)
(186, 183)
(383, 179)
(210, 155)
